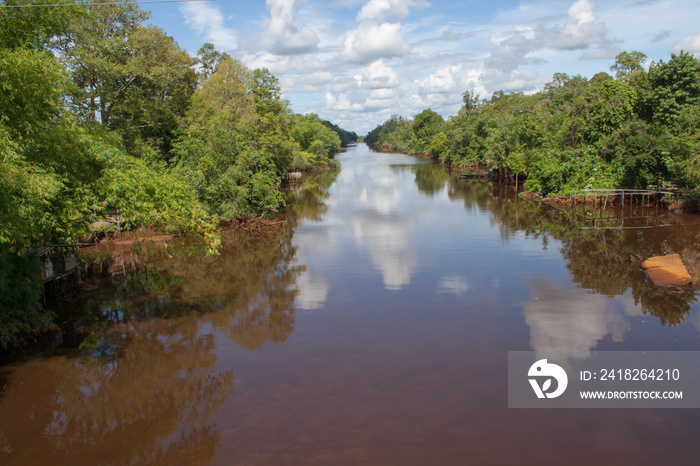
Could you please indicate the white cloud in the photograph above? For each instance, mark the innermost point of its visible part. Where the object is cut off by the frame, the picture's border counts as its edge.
(314, 82)
(344, 84)
(388, 10)
(582, 29)
(208, 21)
(372, 41)
(378, 76)
(341, 102)
(279, 65)
(444, 81)
(282, 36)
(690, 44)
(317, 78)
(522, 81)
(510, 50)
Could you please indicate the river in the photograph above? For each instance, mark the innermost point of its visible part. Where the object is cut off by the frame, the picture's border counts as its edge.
(372, 328)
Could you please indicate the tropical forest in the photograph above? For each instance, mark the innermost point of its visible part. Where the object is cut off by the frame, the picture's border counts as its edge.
(638, 128)
(103, 116)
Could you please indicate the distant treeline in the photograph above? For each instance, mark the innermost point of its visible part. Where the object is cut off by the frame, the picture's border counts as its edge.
(632, 130)
(104, 116)
(346, 137)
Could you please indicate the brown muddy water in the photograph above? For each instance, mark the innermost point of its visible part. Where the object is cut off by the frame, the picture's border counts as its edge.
(373, 329)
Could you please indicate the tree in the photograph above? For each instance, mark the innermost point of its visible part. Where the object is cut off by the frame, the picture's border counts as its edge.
(100, 58)
(32, 28)
(208, 58)
(229, 153)
(128, 76)
(313, 136)
(672, 87)
(425, 126)
(628, 65)
(148, 112)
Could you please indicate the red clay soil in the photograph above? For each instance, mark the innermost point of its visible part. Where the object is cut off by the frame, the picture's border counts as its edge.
(126, 241)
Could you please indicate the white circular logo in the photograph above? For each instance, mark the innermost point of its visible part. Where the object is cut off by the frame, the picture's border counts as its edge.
(544, 372)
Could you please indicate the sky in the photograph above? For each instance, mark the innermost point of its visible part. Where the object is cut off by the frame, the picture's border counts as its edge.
(358, 62)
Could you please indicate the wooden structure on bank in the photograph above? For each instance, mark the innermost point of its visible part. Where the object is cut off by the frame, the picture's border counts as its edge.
(600, 199)
(60, 269)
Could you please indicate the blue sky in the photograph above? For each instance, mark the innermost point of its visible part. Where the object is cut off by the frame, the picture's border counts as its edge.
(357, 62)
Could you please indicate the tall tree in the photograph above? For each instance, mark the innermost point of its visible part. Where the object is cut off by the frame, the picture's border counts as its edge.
(628, 65)
(128, 76)
(225, 154)
(208, 58)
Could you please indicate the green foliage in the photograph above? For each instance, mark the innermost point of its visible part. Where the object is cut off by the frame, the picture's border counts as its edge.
(425, 126)
(143, 196)
(394, 135)
(409, 136)
(30, 89)
(631, 132)
(628, 65)
(208, 58)
(671, 87)
(568, 171)
(33, 28)
(314, 137)
(236, 144)
(20, 292)
(438, 145)
(123, 126)
(346, 137)
(127, 76)
(26, 192)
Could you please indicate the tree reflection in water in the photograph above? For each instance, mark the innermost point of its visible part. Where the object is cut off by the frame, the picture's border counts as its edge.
(598, 259)
(149, 405)
(143, 385)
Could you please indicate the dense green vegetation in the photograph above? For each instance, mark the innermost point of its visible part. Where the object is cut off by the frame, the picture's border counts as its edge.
(634, 130)
(103, 116)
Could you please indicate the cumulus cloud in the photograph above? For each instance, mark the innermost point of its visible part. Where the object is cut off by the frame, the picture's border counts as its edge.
(582, 29)
(283, 37)
(510, 50)
(378, 76)
(279, 65)
(341, 102)
(690, 44)
(442, 91)
(314, 82)
(524, 46)
(444, 81)
(375, 88)
(388, 10)
(317, 78)
(371, 41)
(208, 21)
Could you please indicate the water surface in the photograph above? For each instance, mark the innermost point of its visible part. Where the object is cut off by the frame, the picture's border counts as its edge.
(373, 328)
